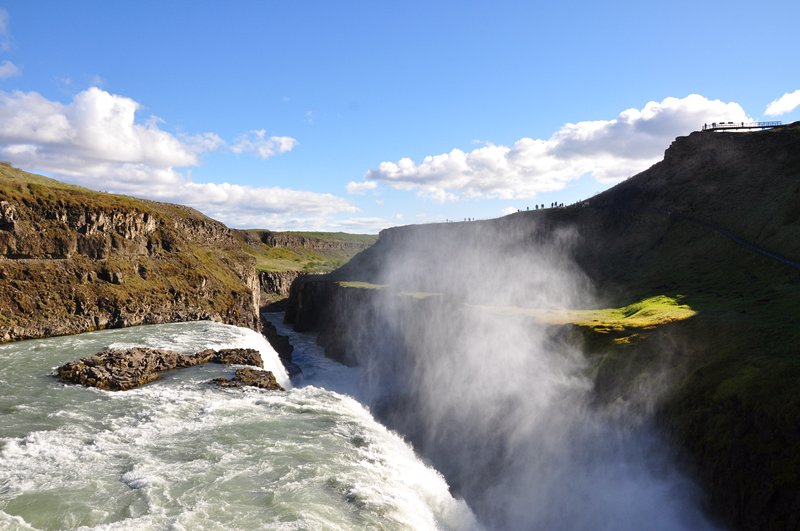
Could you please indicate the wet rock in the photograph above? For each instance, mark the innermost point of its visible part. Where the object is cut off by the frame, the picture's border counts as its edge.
(292, 368)
(280, 343)
(250, 378)
(232, 356)
(123, 369)
(282, 346)
(118, 370)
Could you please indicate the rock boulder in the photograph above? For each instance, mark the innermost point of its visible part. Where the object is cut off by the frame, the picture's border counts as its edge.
(250, 378)
(123, 369)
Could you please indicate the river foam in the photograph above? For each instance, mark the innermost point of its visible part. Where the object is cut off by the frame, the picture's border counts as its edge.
(184, 455)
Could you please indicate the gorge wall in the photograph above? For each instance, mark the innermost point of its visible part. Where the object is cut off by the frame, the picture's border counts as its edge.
(73, 260)
(288, 239)
(721, 385)
(277, 283)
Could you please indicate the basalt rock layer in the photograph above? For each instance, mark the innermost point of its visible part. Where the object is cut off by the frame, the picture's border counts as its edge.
(120, 370)
(277, 283)
(250, 378)
(73, 260)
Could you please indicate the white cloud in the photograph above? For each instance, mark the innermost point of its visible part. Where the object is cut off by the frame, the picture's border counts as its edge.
(95, 129)
(785, 104)
(9, 69)
(609, 150)
(262, 207)
(354, 187)
(257, 142)
(96, 141)
(508, 210)
(203, 142)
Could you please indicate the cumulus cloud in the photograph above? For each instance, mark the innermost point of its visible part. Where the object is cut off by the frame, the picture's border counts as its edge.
(609, 150)
(96, 141)
(354, 187)
(96, 129)
(203, 142)
(258, 143)
(785, 104)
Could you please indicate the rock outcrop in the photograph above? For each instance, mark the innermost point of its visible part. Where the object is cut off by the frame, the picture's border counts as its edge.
(250, 378)
(120, 370)
(73, 260)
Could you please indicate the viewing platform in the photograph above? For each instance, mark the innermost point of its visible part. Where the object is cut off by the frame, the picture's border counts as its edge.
(728, 126)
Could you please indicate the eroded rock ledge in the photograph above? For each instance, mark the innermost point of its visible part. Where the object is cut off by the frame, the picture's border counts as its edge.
(250, 378)
(123, 369)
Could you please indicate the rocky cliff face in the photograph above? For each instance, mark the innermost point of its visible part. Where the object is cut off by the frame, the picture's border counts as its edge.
(277, 283)
(282, 239)
(690, 226)
(73, 260)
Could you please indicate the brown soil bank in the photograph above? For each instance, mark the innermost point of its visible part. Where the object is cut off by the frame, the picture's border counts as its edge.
(716, 225)
(73, 260)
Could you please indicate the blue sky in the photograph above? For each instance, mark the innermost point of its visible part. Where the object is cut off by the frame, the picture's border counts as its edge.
(320, 115)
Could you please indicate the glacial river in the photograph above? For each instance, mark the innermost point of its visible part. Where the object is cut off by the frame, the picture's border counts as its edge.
(182, 454)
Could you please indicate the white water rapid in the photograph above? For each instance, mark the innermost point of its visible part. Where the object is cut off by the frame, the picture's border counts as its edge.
(181, 454)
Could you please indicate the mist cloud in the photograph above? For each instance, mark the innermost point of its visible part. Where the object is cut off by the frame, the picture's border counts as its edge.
(609, 150)
(505, 406)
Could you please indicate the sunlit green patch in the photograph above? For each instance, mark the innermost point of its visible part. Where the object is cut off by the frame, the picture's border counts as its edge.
(647, 313)
(419, 294)
(360, 285)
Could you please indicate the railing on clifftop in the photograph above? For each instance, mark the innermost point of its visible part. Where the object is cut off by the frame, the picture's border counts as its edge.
(719, 126)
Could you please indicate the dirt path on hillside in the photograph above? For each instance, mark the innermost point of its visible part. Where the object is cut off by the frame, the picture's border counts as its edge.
(741, 241)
